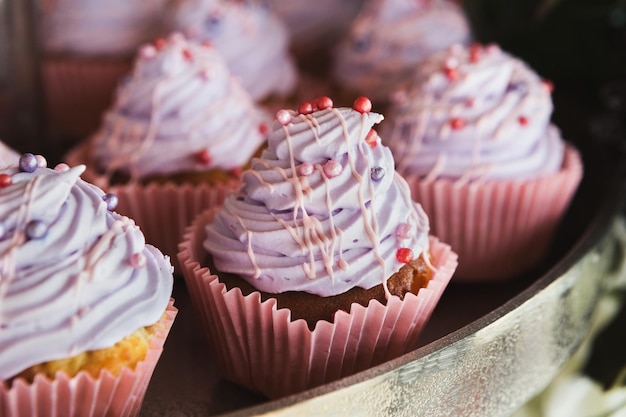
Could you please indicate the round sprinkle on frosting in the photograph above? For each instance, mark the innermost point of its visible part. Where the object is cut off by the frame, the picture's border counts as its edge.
(305, 108)
(283, 117)
(28, 162)
(324, 103)
(62, 167)
(111, 201)
(41, 161)
(362, 105)
(332, 168)
(371, 138)
(147, 52)
(203, 157)
(306, 169)
(404, 255)
(5, 180)
(160, 44)
(377, 173)
(36, 229)
(405, 231)
(457, 123)
(137, 260)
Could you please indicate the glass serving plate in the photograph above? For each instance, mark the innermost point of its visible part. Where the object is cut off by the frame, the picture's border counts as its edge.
(487, 349)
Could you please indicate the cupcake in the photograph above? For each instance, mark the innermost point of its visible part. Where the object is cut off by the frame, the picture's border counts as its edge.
(84, 303)
(87, 46)
(176, 137)
(473, 137)
(254, 42)
(389, 39)
(321, 265)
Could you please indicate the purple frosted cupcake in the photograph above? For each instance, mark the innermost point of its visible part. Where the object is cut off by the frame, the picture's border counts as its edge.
(321, 265)
(473, 137)
(175, 139)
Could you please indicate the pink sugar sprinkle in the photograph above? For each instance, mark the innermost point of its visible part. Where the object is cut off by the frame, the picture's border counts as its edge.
(306, 169)
(332, 168)
(137, 260)
(283, 117)
(62, 167)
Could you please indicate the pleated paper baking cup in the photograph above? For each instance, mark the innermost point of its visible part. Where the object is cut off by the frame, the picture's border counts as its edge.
(162, 211)
(84, 395)
(259, 347)
(500, 229)
(78, 91)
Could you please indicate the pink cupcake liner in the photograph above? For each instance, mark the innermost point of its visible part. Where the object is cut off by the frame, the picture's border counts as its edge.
(83, 395)
(498, 228)
(162, 211)
(78, 91)
(260, 348)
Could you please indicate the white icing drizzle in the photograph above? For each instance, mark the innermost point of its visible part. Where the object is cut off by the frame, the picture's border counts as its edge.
(72, 289)
(504, 132)
(169, 110)
(317, 233)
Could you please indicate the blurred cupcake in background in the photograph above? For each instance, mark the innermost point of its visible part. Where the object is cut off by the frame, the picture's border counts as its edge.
(86, 47)
(85, 304)
(315, 26)
(389, 39)
(253, 41)
(180, 130)
(473, 137)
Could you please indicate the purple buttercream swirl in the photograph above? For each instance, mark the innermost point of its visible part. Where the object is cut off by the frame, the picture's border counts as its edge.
(322, 210)
(74, 276)
(179, 101)
(474, 113)
(390, 38)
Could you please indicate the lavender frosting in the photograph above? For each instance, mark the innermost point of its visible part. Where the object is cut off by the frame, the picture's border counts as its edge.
(253, 41)
(96, 27)
(316, 213)
(7, 156)
(179, 101)
(75, 288)
(390, 38)
(474, 113)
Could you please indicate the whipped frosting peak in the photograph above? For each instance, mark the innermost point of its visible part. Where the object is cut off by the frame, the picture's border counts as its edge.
(74, 276)
(390, 38)
(180, 101)
(320, 210)
(253, 41)
(474, 113)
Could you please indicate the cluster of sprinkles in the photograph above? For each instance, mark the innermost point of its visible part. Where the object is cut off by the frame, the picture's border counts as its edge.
(37, 229)
(404, 232)
(453, 71)
(455, 67)
(188, 52)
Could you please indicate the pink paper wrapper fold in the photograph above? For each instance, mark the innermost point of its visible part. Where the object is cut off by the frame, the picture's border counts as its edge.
(499, 229)
(260, 348)
(84, 396)
(162, 211)
(78, 91)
